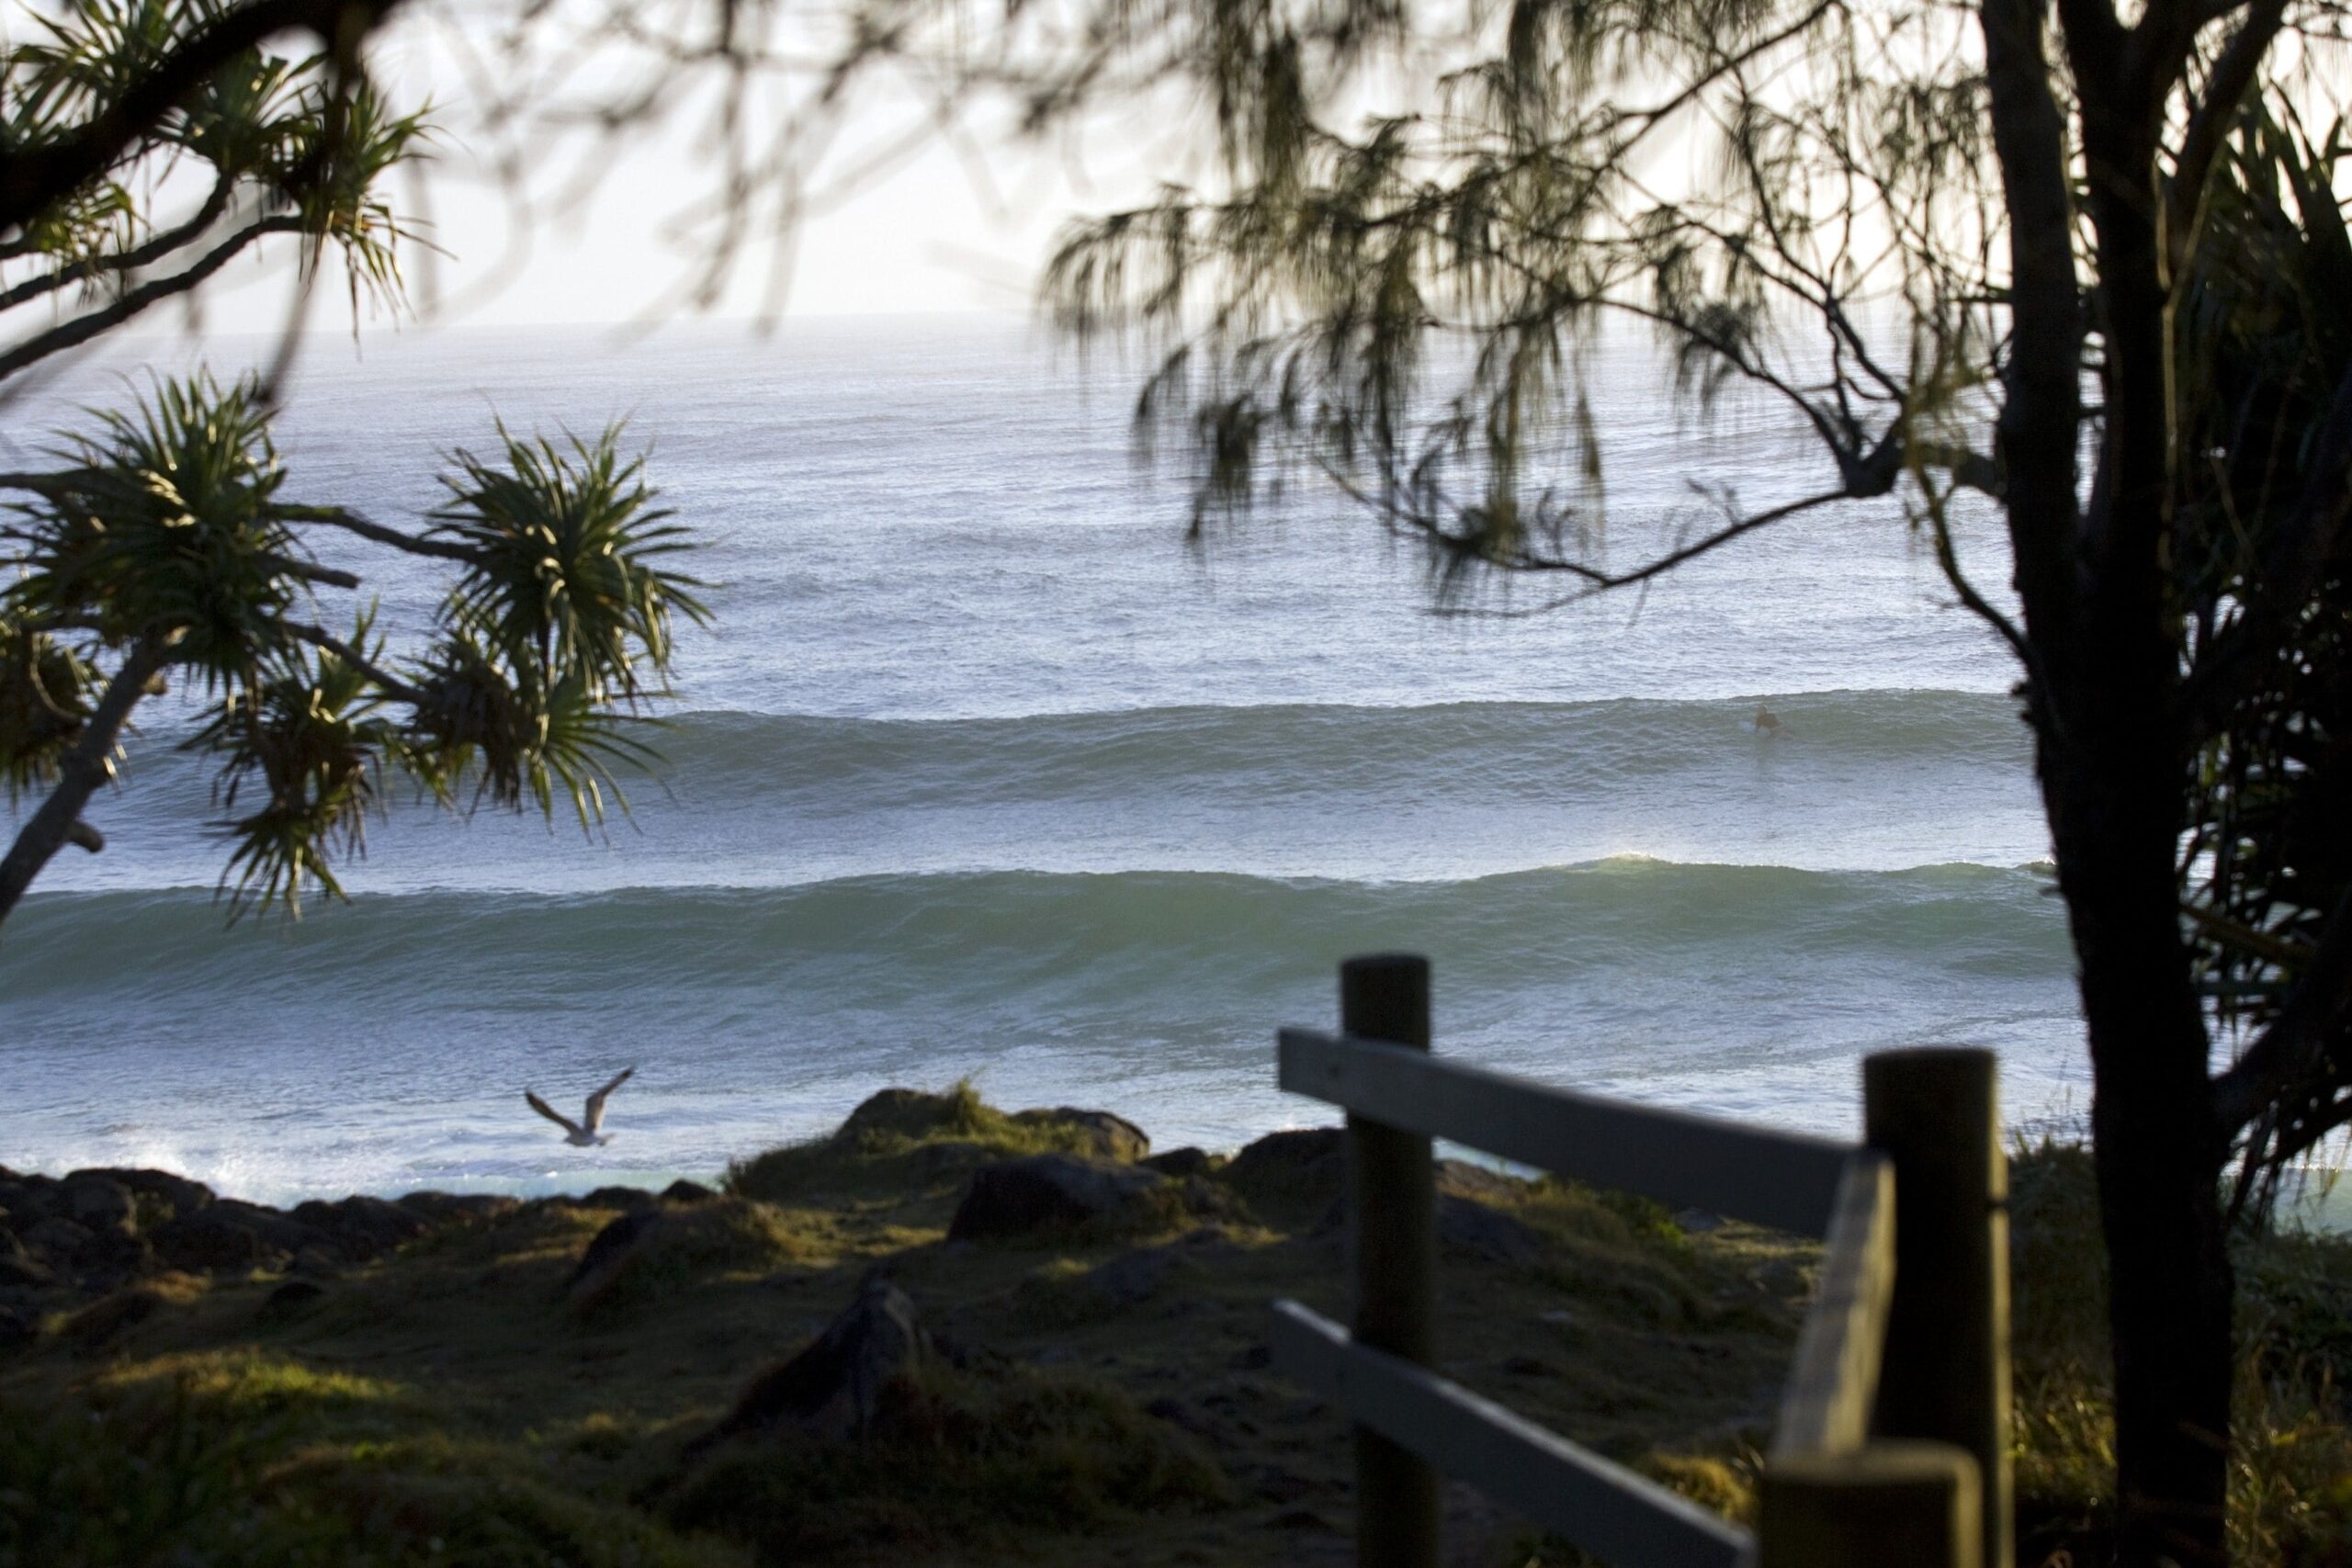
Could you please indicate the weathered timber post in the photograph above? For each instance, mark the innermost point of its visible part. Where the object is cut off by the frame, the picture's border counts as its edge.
(1393, 1216)
(1887, 1504)
(1936, 1112)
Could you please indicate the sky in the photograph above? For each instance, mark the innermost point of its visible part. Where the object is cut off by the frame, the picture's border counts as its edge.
(956, 226)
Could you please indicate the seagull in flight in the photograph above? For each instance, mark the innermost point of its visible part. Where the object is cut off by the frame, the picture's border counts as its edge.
(585, 1134)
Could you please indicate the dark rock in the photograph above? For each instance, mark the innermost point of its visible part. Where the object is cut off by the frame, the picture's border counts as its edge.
(363, 1227)
(684, 1192)
(1470, 1229)
(176, 1194)
(896, 1112)
(97, 1201)
(836, 1388)
(19, 1269)
(608, 1254)
(59, 1244)
(317, 1262)
(1304, 1165)
(109, 1317)
(1528, 1367)
(231, 1235)
(1465, 1228)
(459, 1208)
(1481, 1183)
(1186, 1161)
(1139, 1276)
(291, 1297)
(1052, 1192)
(1254, 1358)
(1105, 1136)
(617, 1198)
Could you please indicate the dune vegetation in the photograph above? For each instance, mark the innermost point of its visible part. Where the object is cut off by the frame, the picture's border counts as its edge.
(594, 1382)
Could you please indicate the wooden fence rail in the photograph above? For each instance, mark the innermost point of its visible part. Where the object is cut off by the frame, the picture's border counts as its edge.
(1891, 1447)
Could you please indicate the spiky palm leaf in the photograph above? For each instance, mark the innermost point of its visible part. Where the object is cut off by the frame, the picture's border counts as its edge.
(568, 582)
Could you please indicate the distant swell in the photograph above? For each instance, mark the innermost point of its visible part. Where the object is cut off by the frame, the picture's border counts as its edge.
(1027, 936)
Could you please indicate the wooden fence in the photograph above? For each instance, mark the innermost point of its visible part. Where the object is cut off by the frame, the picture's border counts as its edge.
(1892, 1445)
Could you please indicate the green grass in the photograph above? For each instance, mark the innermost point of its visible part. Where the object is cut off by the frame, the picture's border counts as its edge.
(454, 1404)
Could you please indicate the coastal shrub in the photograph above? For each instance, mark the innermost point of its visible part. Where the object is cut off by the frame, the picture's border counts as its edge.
(957, 1460)
(2290, 1464)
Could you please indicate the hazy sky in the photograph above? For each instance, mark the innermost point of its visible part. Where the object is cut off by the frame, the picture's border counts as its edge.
(951, 228)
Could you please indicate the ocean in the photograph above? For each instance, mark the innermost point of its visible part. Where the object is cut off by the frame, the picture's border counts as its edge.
(983, 770)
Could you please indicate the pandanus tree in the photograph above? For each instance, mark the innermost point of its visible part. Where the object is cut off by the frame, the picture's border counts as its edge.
(2067, 261)
(144, 146)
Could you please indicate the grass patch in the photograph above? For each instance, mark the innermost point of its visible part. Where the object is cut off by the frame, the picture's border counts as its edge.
(903, 1140)
(958, 1460)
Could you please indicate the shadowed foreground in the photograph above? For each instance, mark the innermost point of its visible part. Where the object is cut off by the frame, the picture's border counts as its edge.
(949, 1334)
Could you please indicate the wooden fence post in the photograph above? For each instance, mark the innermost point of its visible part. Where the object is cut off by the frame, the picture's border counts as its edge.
(1935, 1112)
(1888, 1505)
(1393, 1216)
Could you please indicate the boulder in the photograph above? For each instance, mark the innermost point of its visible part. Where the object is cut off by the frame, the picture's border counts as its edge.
(459, 1208)
(1053, 1192)
(59, 1243)
(1139, 1276)
(1467, 1229)
(230, 1235)
(837, 1387)
(1103, 1135)
(608, 1254)
(96, 1200)
(362, 1227)
(1186, 1161)
(164, 1190)
(684, 1192)
(1303, 1165)
(897, 1112)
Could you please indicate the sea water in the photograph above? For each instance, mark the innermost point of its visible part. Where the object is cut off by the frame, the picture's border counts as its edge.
(983, 769)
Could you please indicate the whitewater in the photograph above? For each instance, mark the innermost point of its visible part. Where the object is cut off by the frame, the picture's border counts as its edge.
(983, 770)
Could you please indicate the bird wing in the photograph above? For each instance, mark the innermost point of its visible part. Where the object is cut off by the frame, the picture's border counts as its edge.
(550, 1113)
(596, 1100)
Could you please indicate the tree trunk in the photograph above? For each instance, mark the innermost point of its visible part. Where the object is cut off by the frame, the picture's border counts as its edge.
(2158, 1149)
(86, 767)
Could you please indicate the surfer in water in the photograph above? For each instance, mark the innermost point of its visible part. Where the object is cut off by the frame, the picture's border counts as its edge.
(1766, 722)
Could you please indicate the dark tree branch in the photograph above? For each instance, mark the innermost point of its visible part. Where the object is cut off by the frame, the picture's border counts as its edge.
(81, 329)
(34, 179)
(393, 685)
(153, 250)
(352, 523)
(2209, 126)
(85, 768)
(2040, 414)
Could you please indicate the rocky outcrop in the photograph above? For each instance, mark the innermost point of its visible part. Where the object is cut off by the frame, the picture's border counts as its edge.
(95, 1233)
(838, 1387)
(1048, 1195)
(1186, 1161)
(1098, 1133)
